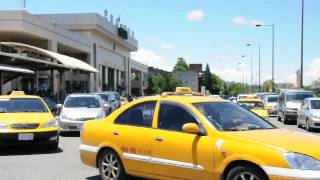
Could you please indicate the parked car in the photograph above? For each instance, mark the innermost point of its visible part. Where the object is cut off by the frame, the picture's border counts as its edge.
(289, 102)
(309, 114)
(26, 119)
(79, 108)
(271, 102)
(195, 137)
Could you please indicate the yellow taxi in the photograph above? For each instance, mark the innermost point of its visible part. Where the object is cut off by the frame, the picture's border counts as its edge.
(26, 119)
(255, 105)
(188, 136)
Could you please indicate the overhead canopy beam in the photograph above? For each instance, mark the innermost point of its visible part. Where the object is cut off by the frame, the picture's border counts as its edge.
(62, 59)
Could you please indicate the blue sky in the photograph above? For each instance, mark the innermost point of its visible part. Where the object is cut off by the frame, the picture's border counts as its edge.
(210, 31)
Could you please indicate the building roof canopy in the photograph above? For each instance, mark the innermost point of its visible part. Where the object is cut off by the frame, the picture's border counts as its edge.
(71, 62)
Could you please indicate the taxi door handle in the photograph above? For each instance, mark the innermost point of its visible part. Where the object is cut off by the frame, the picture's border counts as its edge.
(158, 139)
(116, 133)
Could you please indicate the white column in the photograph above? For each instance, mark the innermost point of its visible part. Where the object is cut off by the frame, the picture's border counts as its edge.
(53, 46)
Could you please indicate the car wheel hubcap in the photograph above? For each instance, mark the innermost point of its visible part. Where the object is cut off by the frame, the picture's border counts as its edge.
(110, 166)
(246, 176)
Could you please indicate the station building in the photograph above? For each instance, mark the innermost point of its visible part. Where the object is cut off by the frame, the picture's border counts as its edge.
(67, 53)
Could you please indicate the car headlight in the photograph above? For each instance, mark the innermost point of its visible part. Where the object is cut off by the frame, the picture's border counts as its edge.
(315, 116)
(301, 161)
(52, 123)
(3, 126)
(101, 115)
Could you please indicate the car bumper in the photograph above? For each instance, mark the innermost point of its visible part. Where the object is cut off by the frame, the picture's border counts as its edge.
(12, 138)
(273, 111)
(70, 126)
(288, 174)
(291, 115)
(314, 123)
(88, 154)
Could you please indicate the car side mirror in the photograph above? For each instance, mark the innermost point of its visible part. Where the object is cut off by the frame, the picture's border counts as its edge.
(191, 128)
(59, 106)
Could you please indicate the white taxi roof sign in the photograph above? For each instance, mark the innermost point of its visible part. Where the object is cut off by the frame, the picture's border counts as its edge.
(14, 93)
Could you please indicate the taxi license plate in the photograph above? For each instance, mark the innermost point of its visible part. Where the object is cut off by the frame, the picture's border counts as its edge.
(25, 137)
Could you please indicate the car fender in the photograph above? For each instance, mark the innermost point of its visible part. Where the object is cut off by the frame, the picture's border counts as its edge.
(114, 147)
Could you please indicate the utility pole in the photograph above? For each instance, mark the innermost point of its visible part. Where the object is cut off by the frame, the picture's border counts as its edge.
(302, 21)
(23, 4)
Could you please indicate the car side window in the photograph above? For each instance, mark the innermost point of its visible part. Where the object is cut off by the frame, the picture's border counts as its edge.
(138, 115)
(173, 117)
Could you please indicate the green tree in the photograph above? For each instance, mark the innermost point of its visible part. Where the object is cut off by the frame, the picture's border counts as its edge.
(159, 83)
(235, 88)
(267, 85)
(217, 84)
(181, 65)
(207, 80)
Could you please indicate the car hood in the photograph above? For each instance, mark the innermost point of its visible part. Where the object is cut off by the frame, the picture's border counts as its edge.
(295, 104)
(315, 112)
(25, 117)
(81, 113)
(288, 140)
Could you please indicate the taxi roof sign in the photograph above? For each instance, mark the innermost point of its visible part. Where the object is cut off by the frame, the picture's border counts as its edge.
(17, 93)
(184, 90)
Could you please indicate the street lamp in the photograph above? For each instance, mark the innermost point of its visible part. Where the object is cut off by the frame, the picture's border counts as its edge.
(270, 25)
(251, 77)
(244, 79)
(259, 63)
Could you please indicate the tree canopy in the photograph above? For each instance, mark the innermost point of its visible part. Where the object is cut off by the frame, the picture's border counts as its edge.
(181, 65)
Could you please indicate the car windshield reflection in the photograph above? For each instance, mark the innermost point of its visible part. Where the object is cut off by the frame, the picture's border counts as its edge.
(227, 116)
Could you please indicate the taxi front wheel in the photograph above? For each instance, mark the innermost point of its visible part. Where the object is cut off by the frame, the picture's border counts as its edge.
(110, 166)
(245, 172)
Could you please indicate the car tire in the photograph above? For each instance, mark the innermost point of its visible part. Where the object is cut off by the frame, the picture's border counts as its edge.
(278, 117)
(298, 124)
(308, 128)
(285, 119)
(246, 172)
(110, 166)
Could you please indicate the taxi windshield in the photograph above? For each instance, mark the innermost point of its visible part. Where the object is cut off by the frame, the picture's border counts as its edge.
(17, 105)
(82, 102)
(226, 116)
(251, 104)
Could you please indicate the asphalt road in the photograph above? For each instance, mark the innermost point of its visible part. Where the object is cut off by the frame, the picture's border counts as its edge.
(36, 163)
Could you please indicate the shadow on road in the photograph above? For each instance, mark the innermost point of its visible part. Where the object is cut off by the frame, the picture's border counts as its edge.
(97, 177)
(27, 150)
(69, 134)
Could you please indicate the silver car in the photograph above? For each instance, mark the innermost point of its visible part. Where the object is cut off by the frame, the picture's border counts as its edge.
(309, 114)
(272, 101)
(77, 109)
(110, 101)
